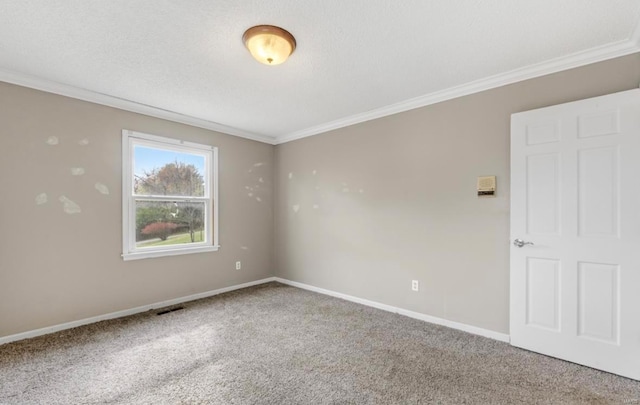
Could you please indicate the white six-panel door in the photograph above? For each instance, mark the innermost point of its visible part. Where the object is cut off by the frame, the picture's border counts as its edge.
(575, 184)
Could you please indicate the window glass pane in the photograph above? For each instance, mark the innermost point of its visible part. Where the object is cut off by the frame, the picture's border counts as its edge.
(163, 223)
(168, 172)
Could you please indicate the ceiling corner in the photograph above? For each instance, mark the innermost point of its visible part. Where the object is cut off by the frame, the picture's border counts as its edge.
(61, 89)
(577, 59)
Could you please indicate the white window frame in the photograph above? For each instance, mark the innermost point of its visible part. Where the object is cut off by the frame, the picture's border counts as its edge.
(129, 250)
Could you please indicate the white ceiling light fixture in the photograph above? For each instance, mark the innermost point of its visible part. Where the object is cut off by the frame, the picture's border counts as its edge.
(269, 44)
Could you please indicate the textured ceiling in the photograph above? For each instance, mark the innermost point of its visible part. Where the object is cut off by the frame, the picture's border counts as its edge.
(353, 56)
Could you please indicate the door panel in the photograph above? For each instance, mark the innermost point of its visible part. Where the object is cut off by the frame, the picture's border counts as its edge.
(543, 184)
(598, 292)
(575, 194)
(599, 124)
(543, 293)
(543, 132)
(598, 192)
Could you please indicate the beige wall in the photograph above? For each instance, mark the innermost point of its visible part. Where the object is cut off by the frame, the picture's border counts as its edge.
(56, 267)
(391, 200)
(395, 199)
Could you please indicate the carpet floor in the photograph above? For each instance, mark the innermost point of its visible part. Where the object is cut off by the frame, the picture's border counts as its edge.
(275, 344)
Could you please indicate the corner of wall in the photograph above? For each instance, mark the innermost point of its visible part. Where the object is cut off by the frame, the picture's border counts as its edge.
(274, 211)
(635, 36)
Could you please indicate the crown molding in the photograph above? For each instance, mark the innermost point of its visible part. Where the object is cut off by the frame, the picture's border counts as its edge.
(123, 104)
(593, 55)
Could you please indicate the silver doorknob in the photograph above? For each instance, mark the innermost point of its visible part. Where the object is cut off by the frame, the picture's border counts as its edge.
(520, 243)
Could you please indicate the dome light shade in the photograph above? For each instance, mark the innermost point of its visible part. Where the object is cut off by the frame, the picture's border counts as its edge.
(269, 44)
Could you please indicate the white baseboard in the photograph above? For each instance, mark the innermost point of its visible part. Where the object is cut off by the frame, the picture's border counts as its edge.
(416, 315)
(126, 312)
(119, 314)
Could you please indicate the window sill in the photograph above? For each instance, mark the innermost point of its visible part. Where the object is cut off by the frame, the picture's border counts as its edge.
(168, 252)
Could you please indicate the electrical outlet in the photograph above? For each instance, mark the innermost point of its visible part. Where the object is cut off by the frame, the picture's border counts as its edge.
(238, 265)
(414, 285)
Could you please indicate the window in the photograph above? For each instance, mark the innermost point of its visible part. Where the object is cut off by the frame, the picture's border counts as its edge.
(169, 199)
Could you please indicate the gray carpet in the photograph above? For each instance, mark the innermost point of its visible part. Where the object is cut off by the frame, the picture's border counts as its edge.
(274, 344)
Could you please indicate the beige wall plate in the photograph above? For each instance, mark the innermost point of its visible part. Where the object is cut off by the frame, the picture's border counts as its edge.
(486, 186)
